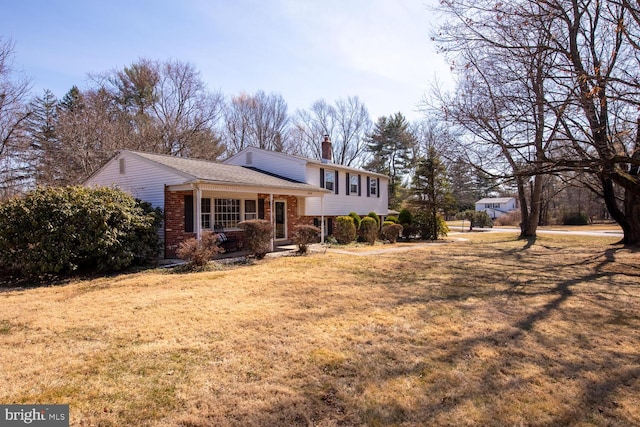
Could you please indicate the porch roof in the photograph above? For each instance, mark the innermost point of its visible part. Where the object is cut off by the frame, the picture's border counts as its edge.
(223, 177)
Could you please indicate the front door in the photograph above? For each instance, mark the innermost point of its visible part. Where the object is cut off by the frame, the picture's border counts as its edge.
(281, 220)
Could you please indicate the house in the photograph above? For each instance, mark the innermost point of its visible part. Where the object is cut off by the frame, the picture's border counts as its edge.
(496, 207)
(199, 195)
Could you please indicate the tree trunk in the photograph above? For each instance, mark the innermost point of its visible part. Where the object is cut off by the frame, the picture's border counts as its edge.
(535, 201)
(632, 228)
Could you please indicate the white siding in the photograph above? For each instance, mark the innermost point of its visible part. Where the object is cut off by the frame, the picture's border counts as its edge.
(283, 165)
(142, 178)
(341, 203)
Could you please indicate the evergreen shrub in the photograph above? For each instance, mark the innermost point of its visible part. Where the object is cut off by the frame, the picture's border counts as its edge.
(376, 217)
(344, 230)
(356, 219)
(575, 218)
(405, 217)
(392, 218)
(60, 230)
(369, 230)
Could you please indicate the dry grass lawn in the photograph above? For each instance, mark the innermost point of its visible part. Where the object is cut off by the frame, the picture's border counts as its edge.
(492, 331)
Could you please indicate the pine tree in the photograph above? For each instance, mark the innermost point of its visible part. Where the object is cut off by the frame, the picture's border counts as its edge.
(431, 192)
(41, 127)
(391, 144)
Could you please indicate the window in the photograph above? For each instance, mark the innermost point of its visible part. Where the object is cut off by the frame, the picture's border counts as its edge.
(353, 184)
(329, 180)
(373, 187)
(492, 206)
(205, 209)
(250, 209)
(227, 212)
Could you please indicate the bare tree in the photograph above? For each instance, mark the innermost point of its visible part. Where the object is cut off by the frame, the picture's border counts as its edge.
(347, 123)
(186, 113)
(14, 90)
(259, 120)
(506, 102)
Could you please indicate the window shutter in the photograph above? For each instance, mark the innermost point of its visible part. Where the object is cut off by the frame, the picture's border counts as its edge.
(321, 178)
(378, 186)
(368, 187)
(329, 226)
(336, 183)
(188, 214)
(348, 185)
(260, 208)
(359, 185)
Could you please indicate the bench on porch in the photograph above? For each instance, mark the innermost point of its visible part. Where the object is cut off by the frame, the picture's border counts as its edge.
(226, 241)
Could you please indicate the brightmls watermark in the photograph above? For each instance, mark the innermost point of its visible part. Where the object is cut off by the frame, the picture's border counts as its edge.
(36, 415)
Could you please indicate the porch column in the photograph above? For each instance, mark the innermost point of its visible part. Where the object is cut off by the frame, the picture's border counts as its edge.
(321, 219)
(273, 223)
(198, 214)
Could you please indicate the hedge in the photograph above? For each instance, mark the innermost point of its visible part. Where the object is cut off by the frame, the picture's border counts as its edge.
(60, 230)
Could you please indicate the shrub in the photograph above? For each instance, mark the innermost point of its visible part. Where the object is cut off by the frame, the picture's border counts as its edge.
(405, 217)
(303, 235)
(392, 219)
(369, 229)
(482, 219)
(391, 231)
(426, 227)
(575, 218)
(356, 219)
(511, 218)
(59, 230)
(257, 236)
(197, 253)
(376, 217)
(409, 230)
(344, 230)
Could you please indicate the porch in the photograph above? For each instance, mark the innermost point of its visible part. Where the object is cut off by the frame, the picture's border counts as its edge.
(193, 209)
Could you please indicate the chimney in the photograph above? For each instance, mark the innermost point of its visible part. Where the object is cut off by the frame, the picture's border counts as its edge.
(327, 150)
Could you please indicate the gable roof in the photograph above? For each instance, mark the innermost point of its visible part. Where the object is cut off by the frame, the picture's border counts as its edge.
(307, 161)
(495, 200)
(205, 171)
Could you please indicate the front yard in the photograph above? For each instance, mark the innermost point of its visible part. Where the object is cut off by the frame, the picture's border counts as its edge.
(490, 331)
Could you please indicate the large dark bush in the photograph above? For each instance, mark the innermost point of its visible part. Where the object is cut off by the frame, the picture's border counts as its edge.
(257, 236)
(426, 228)
(405, 217)
(59, 230)
(575, 218)
(344, 230)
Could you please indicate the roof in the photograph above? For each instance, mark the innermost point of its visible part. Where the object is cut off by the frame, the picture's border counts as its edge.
(495, 200)
(196, 170)
(309, 161)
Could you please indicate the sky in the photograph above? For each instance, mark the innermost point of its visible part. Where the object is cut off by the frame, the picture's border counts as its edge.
(304, 50)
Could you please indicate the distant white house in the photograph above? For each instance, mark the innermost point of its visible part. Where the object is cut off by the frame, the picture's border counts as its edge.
(496, 207)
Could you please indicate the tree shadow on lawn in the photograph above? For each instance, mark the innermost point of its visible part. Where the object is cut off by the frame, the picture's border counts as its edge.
(562, 352)
(554, 349)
